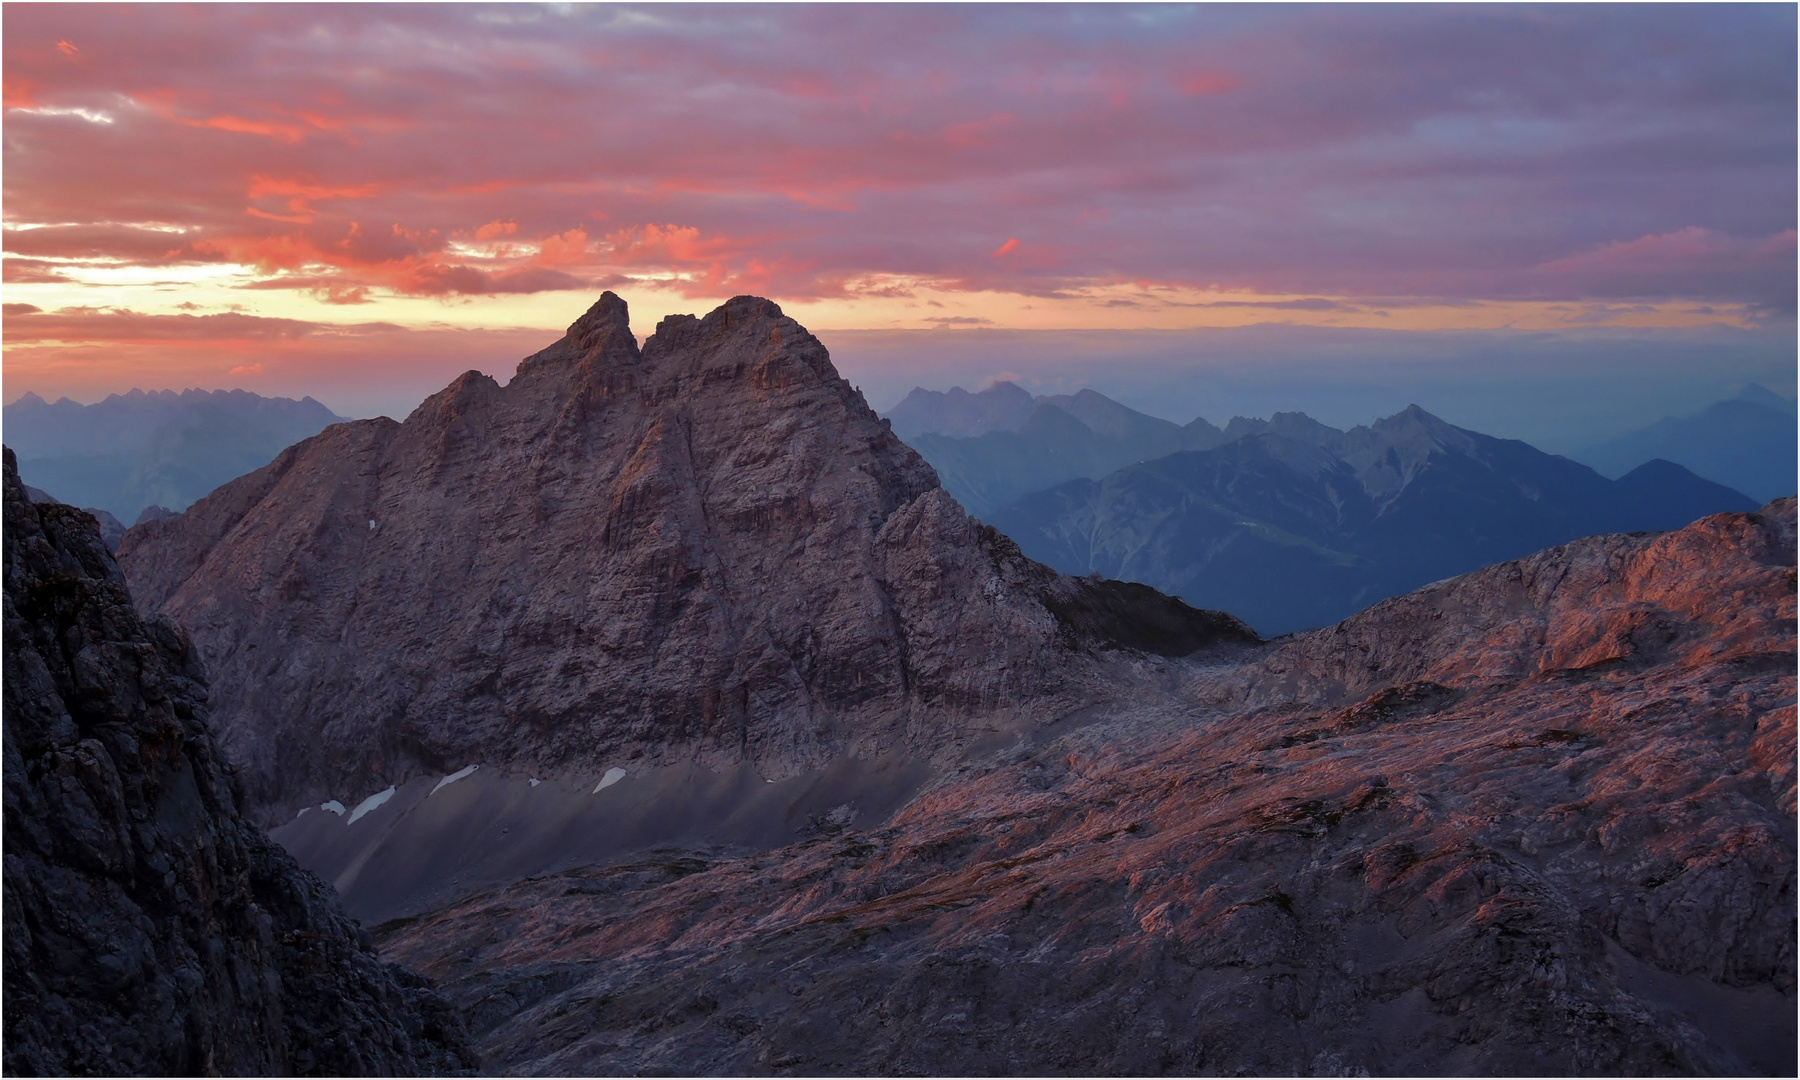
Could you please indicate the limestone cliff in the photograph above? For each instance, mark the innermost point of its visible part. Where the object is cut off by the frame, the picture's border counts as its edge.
(708, 549)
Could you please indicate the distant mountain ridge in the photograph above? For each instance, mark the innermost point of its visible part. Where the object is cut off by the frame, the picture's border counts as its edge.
(165, 448)
(1004, 406)
(1295, 524)
(1747, 442)
(989, 448)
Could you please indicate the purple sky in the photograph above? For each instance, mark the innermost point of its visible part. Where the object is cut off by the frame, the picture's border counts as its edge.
(357, 201)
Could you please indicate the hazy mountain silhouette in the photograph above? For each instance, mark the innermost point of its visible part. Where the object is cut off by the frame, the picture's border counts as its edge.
(1003, 406)
(1062, 438)
(164, 448)
(1290, 532)
(1746, 443)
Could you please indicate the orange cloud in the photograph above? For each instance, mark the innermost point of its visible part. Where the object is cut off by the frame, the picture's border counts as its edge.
(1011, 245)
(496, 228)
(665, 244)
(562, 249)
(20, 92)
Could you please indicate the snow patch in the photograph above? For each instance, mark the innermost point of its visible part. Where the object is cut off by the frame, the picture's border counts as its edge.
(371, 524)
(334, 806)
(535, 781)
(302, 812)
(613, 776)
(370, 803)
(453, 778)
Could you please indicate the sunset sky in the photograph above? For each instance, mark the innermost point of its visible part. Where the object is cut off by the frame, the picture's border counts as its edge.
(358, 202)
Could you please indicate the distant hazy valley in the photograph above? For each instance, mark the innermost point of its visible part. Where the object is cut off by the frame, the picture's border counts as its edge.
(674, 712)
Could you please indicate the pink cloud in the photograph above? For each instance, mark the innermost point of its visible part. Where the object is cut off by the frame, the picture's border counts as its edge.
(1692, 261)
(1457, 153)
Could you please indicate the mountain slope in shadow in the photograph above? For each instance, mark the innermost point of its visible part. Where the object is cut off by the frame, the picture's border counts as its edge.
(1295, 524)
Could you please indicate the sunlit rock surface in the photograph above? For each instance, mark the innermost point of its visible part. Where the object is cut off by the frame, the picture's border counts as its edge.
(1537, 819)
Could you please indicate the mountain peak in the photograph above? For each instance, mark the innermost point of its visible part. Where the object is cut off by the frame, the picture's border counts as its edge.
(608, 317)
(1757, 394)
(715, 553)
(1414, 422)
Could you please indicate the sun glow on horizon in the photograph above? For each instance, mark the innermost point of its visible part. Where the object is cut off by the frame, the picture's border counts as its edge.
(878, 173)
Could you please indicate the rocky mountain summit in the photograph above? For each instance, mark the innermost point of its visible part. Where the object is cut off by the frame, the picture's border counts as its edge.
(1539, 819)
(709, 549)
(150, 929)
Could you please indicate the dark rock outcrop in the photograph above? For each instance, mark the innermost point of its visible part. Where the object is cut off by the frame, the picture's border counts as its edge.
(1537, 820)
(149, 929)
(708, 550)
(111, 528)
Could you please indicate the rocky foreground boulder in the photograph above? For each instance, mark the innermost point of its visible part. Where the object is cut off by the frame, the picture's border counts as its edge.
(150, 929)
(1536, 820)
(708, 550)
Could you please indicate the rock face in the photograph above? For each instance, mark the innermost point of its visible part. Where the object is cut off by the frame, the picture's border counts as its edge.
(1536, 820)
(708, 550)
(149, 929)
(112, 530)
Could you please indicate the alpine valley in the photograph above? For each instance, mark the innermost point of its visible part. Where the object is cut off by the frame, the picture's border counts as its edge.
(664, 710)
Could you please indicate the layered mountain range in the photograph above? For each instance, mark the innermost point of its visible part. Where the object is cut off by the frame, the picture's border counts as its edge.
(663, 707)
(708, 549)
(150, 929)
(1292, 524)
(162, 449)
